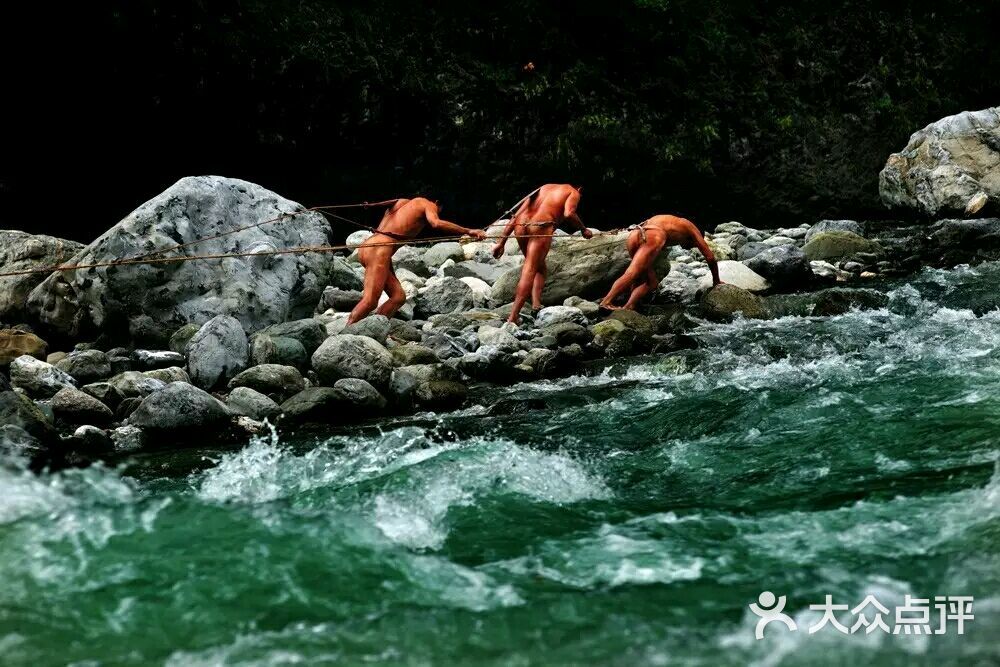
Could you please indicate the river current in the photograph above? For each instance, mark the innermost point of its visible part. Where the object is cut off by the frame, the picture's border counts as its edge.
(627, 517)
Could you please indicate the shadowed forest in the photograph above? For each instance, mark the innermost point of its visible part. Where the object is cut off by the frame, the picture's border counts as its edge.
(757, 111)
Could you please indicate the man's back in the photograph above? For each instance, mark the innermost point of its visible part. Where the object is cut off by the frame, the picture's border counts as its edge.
(407, 217)
(679, 231)
(549, 203)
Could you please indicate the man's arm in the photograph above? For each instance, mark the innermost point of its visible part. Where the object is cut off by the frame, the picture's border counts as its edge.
(431, 213)
(569, 213)
(713, 265)
(507, 231)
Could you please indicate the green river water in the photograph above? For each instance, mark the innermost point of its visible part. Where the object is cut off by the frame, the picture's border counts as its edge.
(626, 518)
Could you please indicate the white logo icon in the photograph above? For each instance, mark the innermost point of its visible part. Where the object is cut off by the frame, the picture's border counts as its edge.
(769, 611)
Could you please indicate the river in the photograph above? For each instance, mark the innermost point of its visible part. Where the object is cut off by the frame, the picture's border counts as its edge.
(628, 517)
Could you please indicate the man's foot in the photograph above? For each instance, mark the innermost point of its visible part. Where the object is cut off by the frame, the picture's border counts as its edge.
(516, 321)
(608, 306)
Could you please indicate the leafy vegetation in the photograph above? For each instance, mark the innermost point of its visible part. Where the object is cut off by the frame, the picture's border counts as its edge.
(758, 111)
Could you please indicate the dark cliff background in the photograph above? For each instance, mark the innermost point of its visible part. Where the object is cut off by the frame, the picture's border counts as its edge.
(764, 112)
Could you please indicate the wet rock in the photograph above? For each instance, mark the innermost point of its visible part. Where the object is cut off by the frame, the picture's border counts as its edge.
(443, 295)
(284, 350)
(437, 254)
(588, 308)
(783, 266)
(966, 240)
(359, 396)
(180, 338)
(481, 290)
(104, 392)
(839, 301)
(317, 405)
(343, 276)
(413, 353)
(311, 332)
(449, 346)
(20, 251)
(86, 366)
(541, 361)
(374, 326)
(567, 333)
(725, 301)
(149, 360)
(635, 321)
(501, 338)
(488, 273)
(259, 290)
(278, 382)
(750, 250)
(38, 378)
(20, 411)
(337, 299)
(168, 375)
(738, 275)
(179, 407)
(18, 447)
(440, 395)
(128, 439)
(15, 343)
(411, 258)
(76, 407)
(217, 352)
(126, 407)
(559, 314)
(834, 226)
(950, 166)
(251, 403)
(133, 384)
(349, 356)
(404, 331)
(838, 245)
(89, 439)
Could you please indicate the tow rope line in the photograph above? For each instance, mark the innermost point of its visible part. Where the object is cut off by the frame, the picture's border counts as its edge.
(148, 258)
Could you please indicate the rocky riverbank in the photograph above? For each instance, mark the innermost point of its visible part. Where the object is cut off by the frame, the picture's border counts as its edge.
(111, 360)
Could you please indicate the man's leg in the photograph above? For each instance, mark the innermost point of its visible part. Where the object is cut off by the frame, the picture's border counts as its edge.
(642, 262)
(538, 284)
(641, 290)
(534, 258)
(397, 295)
(376, 272)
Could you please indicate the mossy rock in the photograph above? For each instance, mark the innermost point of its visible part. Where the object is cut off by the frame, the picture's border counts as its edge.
(724, 301)
(839, 244)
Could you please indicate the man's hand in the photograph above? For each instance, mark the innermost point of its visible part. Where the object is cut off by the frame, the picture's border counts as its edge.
(587, 234)
(498, 250)
(477, 234)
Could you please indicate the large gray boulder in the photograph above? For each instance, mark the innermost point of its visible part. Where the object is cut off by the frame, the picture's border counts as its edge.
(350, 356)
(443, 295)
(86, 366)
(258, 290)
(251, 403)
(218, 351)
(37, 377)
(20, 251)
(838, 245)
(834, 226)
(950, 166)
(578, 267)
(784, 266)
(75, 407)
(179, 406)
(277, 381)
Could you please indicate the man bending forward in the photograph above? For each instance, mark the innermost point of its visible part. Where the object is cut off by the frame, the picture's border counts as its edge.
(644, 244)
(404, 220)
(535, 223)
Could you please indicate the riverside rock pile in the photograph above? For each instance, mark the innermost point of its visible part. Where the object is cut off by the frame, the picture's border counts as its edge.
(104, 361)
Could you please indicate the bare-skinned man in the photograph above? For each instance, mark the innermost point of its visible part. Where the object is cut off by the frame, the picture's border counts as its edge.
(644, 245)
(404, 220)
(533, 226)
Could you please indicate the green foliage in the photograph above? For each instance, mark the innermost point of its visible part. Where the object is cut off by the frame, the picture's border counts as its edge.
(712, 108)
